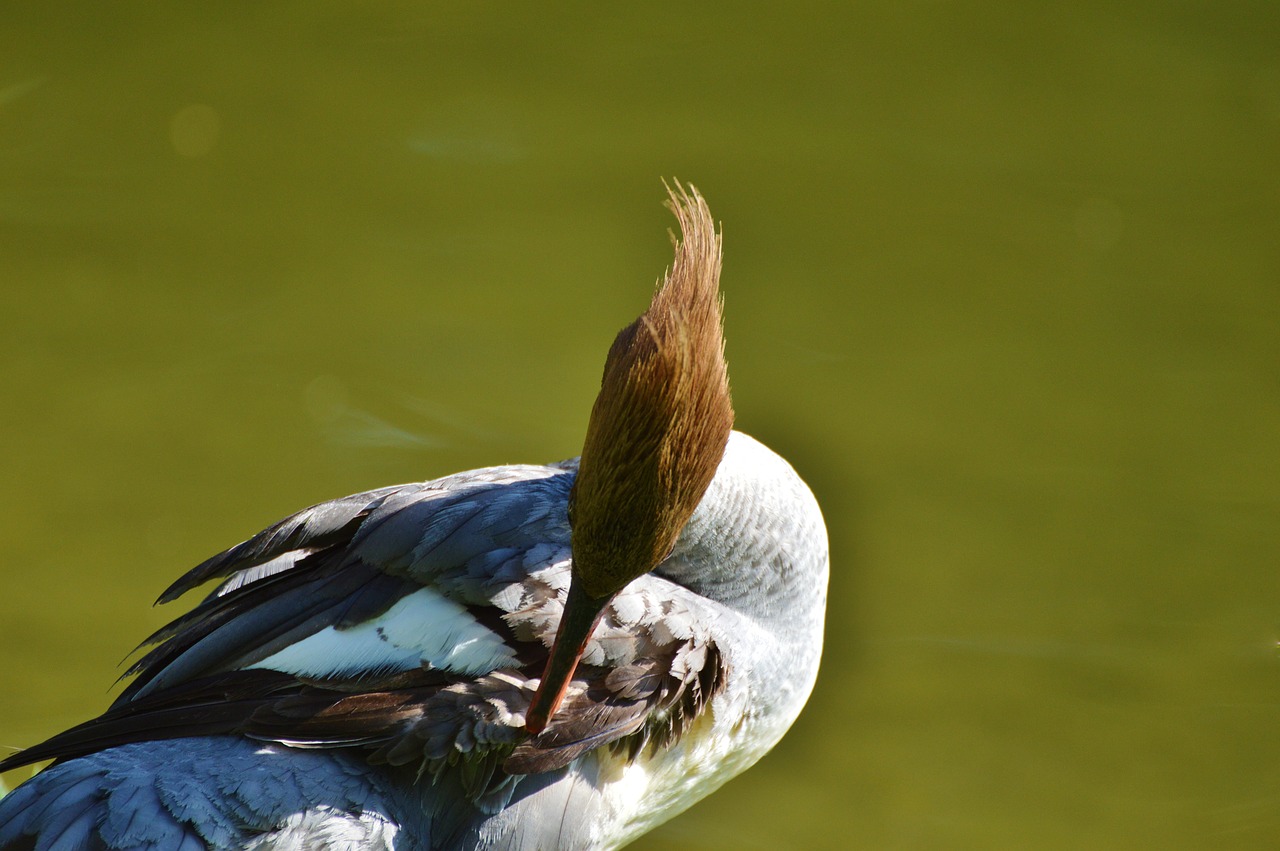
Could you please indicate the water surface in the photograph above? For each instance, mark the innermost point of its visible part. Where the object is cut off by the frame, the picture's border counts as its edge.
(1002, 282)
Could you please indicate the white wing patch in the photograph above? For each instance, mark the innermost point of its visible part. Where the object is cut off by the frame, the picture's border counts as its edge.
(424, 628)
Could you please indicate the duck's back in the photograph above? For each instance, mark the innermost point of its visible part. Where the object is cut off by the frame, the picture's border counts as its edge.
(359, 676)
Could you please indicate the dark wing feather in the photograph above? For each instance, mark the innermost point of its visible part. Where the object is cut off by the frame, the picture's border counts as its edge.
(260, 621)
(207, 707)
(318, 527)
(341, 563)
(493, 541)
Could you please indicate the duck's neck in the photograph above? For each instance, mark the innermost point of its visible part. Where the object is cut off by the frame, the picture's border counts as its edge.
(757, 543)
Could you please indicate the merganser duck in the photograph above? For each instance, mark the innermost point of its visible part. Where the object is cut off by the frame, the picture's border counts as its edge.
(519, 657)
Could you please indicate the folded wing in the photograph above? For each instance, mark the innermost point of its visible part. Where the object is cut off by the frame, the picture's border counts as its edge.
(413, 622)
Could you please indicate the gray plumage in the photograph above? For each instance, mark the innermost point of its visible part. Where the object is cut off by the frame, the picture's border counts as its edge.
(514, 658)
(725, 634)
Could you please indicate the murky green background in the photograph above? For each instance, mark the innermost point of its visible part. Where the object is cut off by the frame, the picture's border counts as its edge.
(1003, 281)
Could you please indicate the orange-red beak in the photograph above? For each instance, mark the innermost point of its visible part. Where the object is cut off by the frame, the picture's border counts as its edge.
(581, 614)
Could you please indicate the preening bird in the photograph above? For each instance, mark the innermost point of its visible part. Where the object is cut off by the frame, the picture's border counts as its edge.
(518, 657)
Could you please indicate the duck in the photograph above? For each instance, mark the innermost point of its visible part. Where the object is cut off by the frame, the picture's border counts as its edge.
(556, 656)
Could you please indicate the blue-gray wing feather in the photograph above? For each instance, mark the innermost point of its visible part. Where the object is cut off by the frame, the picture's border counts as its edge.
(146, 796)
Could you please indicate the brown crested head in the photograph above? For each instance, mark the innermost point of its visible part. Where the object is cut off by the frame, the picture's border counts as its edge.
(661, 421)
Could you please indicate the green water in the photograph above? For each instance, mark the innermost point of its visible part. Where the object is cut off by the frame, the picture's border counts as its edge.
(1002, 281)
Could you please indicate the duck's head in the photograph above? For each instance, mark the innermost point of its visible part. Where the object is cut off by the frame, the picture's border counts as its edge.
(655, 438)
